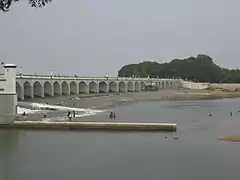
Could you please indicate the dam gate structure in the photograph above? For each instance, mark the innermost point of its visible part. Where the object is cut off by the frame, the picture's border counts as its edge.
(8, 95)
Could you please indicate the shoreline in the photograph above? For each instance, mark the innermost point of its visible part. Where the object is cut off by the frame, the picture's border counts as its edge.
(107, 100)
(112, 100)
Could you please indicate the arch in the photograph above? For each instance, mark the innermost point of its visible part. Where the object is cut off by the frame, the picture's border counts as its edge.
(19, 91)
(48, 89)
(56, 88)
(93, 87)
(65, 88)
(27, 90)
(160, 84)
(122, 86)
(73, 88)
(163, 85)
(167, 85)
(171, 85)
(130, 87)
(38, 89)
(176, 84)
(142, 86)
(112, 86)
(103, 87)
(137, 86)
(83, 87)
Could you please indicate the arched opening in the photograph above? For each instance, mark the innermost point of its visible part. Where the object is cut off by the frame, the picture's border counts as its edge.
(163, 85)
(171, 85)
(176, 84)
(122, 87)
(93, 87)
(65, 88)
(159, 85)
(27, 90)
(38, 89)
(19, 91)
(142, 86)
(130, 87)
(83, 88)
(103, 87)
(167, 85)
(112, 87)
(56, 88)
(137, 87)
(48, 89)
(73, 88)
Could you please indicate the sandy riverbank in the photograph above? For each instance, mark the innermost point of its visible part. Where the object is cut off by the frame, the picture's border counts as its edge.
(105, 101)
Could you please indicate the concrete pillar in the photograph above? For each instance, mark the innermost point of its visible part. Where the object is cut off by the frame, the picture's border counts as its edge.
(60, 89)
(21, 93)
(8, 97)
(77, 88)
(42, 92)
(107, 89)
(31, 95)
(52, 91)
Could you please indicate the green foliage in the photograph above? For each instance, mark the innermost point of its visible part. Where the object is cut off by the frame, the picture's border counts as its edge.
(200, 68)
(6, 4)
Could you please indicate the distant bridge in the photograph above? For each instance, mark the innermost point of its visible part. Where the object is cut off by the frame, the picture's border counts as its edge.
(31, 86)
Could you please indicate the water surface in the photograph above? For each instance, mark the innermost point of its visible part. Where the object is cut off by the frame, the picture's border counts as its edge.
(197, 154)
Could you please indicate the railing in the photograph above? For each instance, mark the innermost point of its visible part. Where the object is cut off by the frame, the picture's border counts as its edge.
(30, 76)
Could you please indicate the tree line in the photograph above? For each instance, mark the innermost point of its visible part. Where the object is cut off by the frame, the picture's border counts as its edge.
(198, 69)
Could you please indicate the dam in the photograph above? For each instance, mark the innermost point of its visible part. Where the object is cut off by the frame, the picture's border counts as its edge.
(19, 86)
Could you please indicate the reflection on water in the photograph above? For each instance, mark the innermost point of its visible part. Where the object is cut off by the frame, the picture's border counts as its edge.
(8, 152)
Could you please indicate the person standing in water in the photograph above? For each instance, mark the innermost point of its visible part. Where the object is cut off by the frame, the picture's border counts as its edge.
(70, 117)
(114, 115)
(68, 114)
(74, 114)
(111, 115)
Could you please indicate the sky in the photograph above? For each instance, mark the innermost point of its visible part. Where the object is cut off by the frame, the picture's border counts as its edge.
(98, 37)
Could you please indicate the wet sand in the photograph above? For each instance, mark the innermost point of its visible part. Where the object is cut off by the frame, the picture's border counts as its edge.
(110, 100)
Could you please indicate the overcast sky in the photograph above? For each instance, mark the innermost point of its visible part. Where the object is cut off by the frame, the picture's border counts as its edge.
(98, 37)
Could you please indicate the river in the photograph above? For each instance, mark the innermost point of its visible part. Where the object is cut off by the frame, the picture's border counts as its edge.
(197, 154)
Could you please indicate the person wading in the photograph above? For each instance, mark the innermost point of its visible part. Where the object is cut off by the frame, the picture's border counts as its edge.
(111, 115)
(70, 117)
(68, 114)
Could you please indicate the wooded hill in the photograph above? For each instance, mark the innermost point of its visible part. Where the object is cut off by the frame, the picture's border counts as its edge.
(200, 68)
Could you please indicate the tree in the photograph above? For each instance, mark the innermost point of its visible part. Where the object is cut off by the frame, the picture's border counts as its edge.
(6, 4)
(200, 68)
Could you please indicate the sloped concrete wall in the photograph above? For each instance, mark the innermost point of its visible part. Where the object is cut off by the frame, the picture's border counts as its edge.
(194, 85)
(8, 107)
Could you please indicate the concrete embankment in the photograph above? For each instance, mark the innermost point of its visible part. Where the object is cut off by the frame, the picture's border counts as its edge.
(103, 126)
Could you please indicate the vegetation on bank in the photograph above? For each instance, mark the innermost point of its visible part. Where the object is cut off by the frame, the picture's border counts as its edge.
(198, 69)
